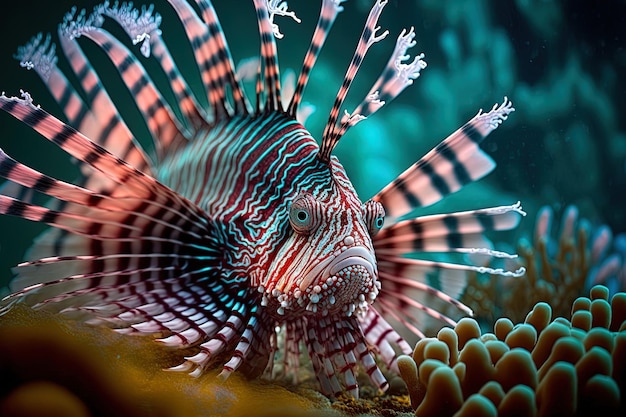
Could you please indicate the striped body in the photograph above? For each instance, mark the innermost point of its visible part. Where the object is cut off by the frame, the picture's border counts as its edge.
(238, 223)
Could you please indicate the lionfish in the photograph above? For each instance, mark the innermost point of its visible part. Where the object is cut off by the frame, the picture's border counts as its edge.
(237, 238)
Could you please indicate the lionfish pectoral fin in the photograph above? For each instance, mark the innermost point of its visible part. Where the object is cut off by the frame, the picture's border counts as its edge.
(336, 345)
(453, 163)
(143, 260)
(226, 325)
(383, 337)
(110, 244)
(406, 283)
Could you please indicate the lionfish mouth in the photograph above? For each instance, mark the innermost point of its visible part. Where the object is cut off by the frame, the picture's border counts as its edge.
(347, 282)
(343, 283)
(356, 256)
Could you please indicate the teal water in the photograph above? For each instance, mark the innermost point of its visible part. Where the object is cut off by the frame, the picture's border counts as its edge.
(562, 63)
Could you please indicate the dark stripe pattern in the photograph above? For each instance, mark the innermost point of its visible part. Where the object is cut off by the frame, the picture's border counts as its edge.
(234, 222)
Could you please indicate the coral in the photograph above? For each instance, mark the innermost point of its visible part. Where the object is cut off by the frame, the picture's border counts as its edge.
(543, 366)
(559, 268)
(514, 370)
(85, 371)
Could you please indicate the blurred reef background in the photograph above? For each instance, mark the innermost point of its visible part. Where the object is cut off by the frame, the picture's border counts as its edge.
(562, 63)
(562, 153)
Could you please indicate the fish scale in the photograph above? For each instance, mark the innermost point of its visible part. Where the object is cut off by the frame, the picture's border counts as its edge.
(238, 223)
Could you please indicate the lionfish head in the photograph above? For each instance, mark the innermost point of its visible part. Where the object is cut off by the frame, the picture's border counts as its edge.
(328, 265)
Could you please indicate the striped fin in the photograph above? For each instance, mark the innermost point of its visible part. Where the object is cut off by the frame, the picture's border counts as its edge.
(328, 14)
(406, 294)
(330, 137)
(443, 232)
(147, 261)
(212, 316)
(167, 132)
(396, 76)
(456, 161)
(168, 306)
(269, 62)
(109, 129)
(225, 64)
(35, 180)
(212, 57)
(290, 349)
(139, 203)
(80, 147)
(382, 336)
(266, 11)
(406, 288)
(143, 27)
(97, 118)
(252, 352)
(335, 347)
(234, 327)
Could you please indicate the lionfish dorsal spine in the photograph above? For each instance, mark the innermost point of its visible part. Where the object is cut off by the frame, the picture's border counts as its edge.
(269, 61)
(144, 27)
(212, 58)
(223, 57)
(268, 74)
(328, 14)
(369, 36)
(96, 116)
(396, 76)
(168, 133)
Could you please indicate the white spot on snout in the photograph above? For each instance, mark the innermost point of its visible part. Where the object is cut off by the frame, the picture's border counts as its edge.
(348, 241)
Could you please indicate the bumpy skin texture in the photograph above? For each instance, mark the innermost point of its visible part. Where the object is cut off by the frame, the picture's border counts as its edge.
(542, 367)
(237, 223)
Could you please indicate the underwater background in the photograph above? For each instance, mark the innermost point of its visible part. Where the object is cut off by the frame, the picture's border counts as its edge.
(562, 63)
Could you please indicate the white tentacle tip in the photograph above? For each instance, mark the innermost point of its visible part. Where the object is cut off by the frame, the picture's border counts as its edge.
(517, 207)
(279, 8)
(139, 25)
(494, 118)
(25, 100)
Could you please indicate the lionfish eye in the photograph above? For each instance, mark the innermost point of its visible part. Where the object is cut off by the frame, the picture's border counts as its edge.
(374, 216)
(304, 214)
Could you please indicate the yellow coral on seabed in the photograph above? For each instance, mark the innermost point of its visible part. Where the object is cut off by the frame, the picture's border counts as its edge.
(51, 367)
(541, 367)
